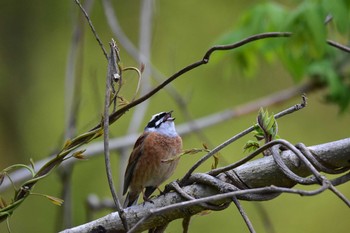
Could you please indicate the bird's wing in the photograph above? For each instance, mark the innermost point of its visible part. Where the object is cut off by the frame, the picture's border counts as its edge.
(133, 160)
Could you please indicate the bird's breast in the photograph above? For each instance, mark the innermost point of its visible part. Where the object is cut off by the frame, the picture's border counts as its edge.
(157, 149)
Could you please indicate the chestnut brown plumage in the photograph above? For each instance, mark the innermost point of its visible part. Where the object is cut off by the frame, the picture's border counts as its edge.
(147, 168)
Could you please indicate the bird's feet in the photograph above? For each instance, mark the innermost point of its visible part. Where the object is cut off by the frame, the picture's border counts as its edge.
(147, 199)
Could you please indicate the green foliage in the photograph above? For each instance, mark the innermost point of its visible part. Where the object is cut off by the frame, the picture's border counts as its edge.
(251, 145)
(267, 126)
(306, 53)
(338, 85)
(7, 208)
(266, 129)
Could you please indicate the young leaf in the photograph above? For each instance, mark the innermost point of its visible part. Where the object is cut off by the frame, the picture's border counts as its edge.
(55, 200)
(216, 162)
(67, 143)
(251, 146)
(79, 154)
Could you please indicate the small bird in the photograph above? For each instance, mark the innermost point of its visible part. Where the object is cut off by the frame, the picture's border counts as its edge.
(147, 167)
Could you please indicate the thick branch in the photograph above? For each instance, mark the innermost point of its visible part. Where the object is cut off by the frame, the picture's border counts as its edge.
(262, 172)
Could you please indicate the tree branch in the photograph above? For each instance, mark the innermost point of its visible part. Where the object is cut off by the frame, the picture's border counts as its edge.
(263, 177)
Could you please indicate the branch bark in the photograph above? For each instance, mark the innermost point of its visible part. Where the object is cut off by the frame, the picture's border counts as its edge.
(261, 176)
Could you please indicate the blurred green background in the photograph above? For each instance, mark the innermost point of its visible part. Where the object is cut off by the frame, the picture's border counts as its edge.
(35, 38)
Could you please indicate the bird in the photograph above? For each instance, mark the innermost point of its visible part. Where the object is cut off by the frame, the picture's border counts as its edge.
(153, 158)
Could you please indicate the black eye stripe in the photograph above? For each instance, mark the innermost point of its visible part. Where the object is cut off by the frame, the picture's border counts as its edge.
(155, 121)
(160, 116)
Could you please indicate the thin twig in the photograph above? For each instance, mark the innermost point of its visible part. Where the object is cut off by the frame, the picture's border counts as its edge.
(217, 171)
(92, 28)
(338, 46)
(284, 168)
(340, 195)
(341, 180)
(179, 190)
(286, 171)
(220, 197)
(236, 137)
(112, 69)
(244, 41)
(313, 170)
(243, 214)
(323, 168)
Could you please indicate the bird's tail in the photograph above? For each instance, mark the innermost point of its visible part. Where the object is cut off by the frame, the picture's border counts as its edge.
(130, 199)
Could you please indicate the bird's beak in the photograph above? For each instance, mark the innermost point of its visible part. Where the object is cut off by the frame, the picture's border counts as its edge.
(168, 116)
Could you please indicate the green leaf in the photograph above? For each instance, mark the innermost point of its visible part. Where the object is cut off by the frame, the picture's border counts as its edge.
(251, 146)
(267, 125)
(216, 161)
(265, 17)
(271, 122)
(338, 87)
(55, 200)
